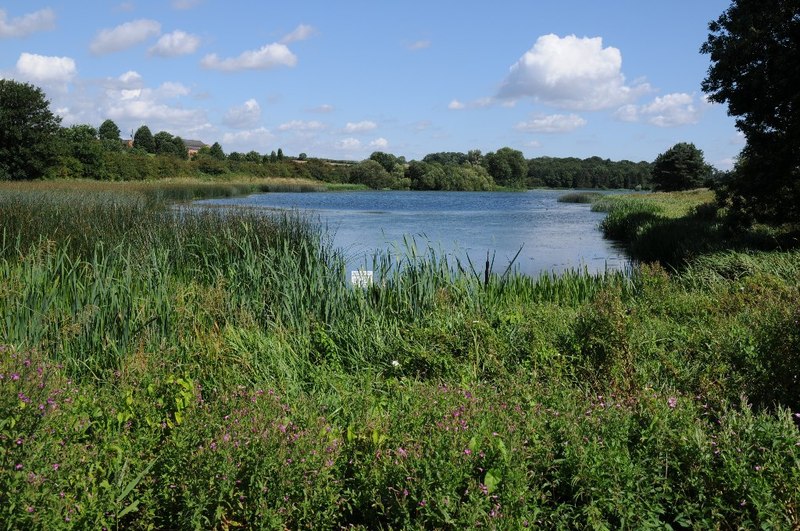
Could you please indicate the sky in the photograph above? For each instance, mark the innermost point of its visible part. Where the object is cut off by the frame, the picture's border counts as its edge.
(618, 79)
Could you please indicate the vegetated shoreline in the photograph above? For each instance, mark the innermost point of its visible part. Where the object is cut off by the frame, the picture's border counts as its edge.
(210, 371)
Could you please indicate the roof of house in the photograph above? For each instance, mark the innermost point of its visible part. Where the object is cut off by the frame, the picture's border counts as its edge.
(194, 144)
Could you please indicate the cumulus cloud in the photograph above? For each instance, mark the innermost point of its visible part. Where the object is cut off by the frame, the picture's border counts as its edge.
(46, 70)
(670, 110)
(554, 123)
(380, 143)
(44, 19)
(245, 116)
(176, 43)
(131, 77)
(124, 36)
(571, 73)
(172, 89)
(268, 56)
(456, 105)
(300, 33)
(299, 125)
(359, 127)
(349, 144)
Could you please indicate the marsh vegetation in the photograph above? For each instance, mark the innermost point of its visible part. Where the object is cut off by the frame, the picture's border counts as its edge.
(167, 367)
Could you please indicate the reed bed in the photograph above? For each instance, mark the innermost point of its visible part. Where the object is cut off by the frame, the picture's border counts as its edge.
(173, 367)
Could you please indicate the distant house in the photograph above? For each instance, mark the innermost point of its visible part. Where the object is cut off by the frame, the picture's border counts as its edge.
(193, 146)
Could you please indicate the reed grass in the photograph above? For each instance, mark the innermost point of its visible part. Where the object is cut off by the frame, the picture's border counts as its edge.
(172, 367)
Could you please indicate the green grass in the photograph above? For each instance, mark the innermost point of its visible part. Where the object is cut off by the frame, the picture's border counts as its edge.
(180, 368)
(580, 197)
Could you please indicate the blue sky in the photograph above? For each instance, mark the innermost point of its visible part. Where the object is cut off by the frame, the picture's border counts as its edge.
(618, 79)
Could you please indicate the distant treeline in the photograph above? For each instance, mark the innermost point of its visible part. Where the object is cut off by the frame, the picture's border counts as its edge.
(81, 151)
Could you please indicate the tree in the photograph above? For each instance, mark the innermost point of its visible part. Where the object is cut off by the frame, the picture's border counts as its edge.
(27, 131)
(280, 154)
(216, 151)
(754, 47)
(507, 166)
(370, 173)
(387, 160)
(109, 131)
(681, 167)
(143, 139)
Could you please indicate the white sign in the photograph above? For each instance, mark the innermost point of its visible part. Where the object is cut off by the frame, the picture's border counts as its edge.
(361, 279)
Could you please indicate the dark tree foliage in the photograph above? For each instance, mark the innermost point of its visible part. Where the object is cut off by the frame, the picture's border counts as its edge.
(143, 139)
(166, 144)
(216, 151)
(387, 160)
(681, 167)
(594, 172)
(28, 131)
(370, 173)
(507, 166)
(754, 47)
(446, 157)
(109, 131)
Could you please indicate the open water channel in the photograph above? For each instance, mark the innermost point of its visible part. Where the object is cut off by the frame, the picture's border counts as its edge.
(550, 236)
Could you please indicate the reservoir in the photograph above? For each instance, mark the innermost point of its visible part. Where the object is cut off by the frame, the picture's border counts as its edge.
(549, 236)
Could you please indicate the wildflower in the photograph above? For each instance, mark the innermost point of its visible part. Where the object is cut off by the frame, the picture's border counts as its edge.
(757, 468)
(402, 452)
(672, 402)
(423, 503)
(18, 466)
(15, 376)
(29, 508)
(467, 451)
(56, 466)
(395, 364)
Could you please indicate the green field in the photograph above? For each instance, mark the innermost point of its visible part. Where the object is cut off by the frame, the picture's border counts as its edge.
(167, 367)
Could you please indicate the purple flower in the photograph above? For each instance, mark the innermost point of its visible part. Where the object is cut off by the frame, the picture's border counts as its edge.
(18, 466)
(56, 466)
(672, 402)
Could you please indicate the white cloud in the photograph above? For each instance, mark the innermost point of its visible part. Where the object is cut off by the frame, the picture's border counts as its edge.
(44, 19)
(571, 73)
(252, 139)
(299, 125)
(359, 127)
(554, 123)
(45, 69)
(419, 45)
(349, 144)
(670, 110)
(245, 116)
(176, 43)
(124, 36)
(380, 143)
(300, 33)
(171, 89)
(131, 77)
(268, 56)
(480, 103)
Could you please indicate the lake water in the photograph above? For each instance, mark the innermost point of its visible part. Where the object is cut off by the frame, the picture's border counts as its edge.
(552, 236)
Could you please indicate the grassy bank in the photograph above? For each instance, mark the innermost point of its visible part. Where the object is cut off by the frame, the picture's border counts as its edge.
(166, 367)
(675, 228)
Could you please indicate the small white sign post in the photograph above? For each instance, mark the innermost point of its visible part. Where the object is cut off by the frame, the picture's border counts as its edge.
(361, 279)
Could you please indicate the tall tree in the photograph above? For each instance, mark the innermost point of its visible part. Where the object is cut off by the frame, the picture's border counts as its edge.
(216, 151)
(507, 166)
(27, 131)
(143, 139)
(681, 167)
(109, 131)
(754, 47)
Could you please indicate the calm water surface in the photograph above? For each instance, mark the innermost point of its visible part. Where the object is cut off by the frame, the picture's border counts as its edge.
(553, 236)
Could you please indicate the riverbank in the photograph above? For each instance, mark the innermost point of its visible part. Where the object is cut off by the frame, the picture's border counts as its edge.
(199, 370)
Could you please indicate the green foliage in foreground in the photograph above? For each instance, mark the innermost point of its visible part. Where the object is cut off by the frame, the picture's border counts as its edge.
(187, 369)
